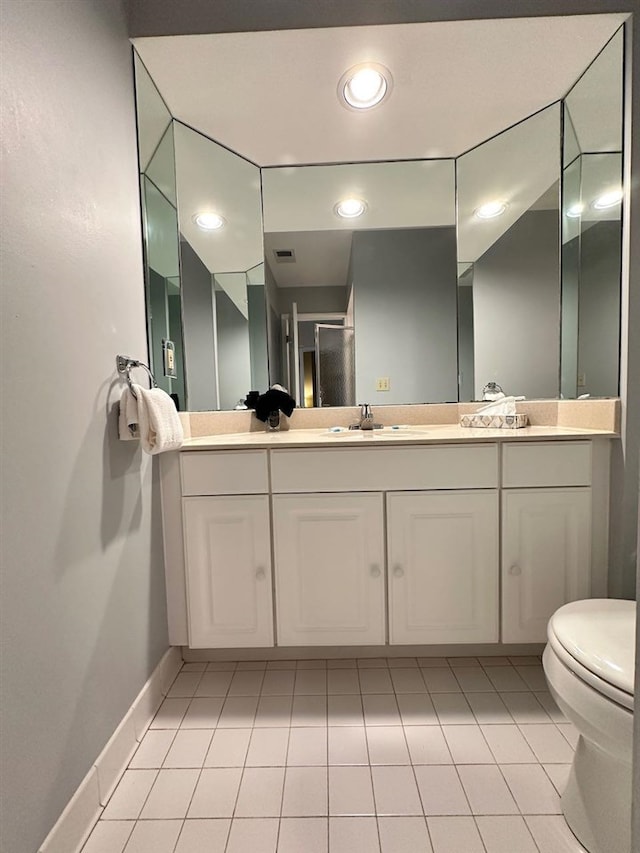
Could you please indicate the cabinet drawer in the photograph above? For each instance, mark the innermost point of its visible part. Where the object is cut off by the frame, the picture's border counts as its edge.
(384, 469)
(558, 463)
(224, 472)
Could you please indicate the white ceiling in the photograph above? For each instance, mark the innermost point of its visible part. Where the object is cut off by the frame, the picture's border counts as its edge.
(410, 194)
(271, 96)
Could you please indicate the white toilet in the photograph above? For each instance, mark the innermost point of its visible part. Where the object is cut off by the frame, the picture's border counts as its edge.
(589, 665)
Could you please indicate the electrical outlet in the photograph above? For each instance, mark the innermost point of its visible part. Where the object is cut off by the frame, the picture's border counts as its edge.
(582, 380)
(383, 383)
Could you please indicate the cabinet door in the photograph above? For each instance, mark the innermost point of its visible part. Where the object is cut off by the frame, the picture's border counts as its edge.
(545, 558)
(228, 561)
(443, 567)
(329, 567)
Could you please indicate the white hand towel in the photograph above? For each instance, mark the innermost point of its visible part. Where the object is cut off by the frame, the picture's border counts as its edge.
(128, 429)
(160, 427)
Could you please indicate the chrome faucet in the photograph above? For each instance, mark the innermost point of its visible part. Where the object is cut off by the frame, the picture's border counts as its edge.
(366, 419)
(366, 416)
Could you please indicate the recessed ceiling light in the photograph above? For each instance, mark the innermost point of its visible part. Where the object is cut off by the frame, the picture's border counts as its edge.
(608, 199)
(490, 209)
(209, 221)
(350, 208)
(364, 86)
(575, 210)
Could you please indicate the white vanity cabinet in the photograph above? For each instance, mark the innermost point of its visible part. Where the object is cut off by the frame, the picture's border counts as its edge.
(329, 532)
(443, 567)
(419, 544)
(228, 571)
(329, 569)
(546, 534)
(227, 538)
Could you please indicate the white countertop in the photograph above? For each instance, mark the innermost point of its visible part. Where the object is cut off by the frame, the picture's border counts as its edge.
(435, 434)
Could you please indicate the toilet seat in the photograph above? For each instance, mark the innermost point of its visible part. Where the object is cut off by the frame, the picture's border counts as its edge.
(595, 639)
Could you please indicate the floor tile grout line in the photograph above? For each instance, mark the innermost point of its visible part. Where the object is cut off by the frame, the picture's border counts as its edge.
(415, 777)
(284, 782)
(400, 721)
(151, 787)
(175, 845)
(475, 823)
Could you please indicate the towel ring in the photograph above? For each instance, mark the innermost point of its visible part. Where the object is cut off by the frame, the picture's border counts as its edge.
(125, 364)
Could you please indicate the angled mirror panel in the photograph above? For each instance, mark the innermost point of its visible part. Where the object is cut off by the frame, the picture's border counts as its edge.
(211, 179)
(515, 255)
(162, 166)
(160, 233)
(571, 207)
(162, 277)
(600, 259)
(570, 144)
(592, 228)
(152, 113)
(594, 104)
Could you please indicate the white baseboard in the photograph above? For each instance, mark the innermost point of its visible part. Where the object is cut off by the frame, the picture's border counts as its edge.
(74, 825)
(341, 652)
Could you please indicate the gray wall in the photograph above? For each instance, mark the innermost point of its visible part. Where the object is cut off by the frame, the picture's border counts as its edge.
(175, 334)
(234, 373)
(257, 307)
(199, 322)
(465, 337)
(83, 619)
(274, 330)
(405, 314)
(569, 320)
(516, 309)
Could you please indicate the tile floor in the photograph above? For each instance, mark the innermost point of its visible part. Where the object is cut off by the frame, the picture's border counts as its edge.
(405, 755)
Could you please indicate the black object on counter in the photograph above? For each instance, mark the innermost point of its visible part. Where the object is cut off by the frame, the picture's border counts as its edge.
(251, 399)
(270, 401)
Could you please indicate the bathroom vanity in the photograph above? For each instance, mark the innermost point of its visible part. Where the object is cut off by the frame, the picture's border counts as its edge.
(435, 536)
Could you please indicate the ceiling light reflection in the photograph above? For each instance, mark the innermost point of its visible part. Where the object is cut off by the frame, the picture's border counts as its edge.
(209, 221)
(491, 209)
(608, 199)
(350, 208)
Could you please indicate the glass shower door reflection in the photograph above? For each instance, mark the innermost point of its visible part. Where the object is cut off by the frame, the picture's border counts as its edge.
(335, 365)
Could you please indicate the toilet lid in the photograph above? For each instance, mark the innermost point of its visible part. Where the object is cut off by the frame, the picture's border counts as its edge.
(599, 634)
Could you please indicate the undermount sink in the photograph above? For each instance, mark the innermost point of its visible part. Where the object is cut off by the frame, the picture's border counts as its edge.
(369, 434)
(399, 433)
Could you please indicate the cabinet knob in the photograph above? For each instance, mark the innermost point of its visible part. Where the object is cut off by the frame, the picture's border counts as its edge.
(375, 571)
(260, 574)
(515, 570)
(398, 571)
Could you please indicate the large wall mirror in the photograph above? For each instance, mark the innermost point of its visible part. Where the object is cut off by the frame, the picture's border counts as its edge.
(500, 263)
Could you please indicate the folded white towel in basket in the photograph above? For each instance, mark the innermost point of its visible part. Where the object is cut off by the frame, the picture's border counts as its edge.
(128, 429)
(159, 424)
